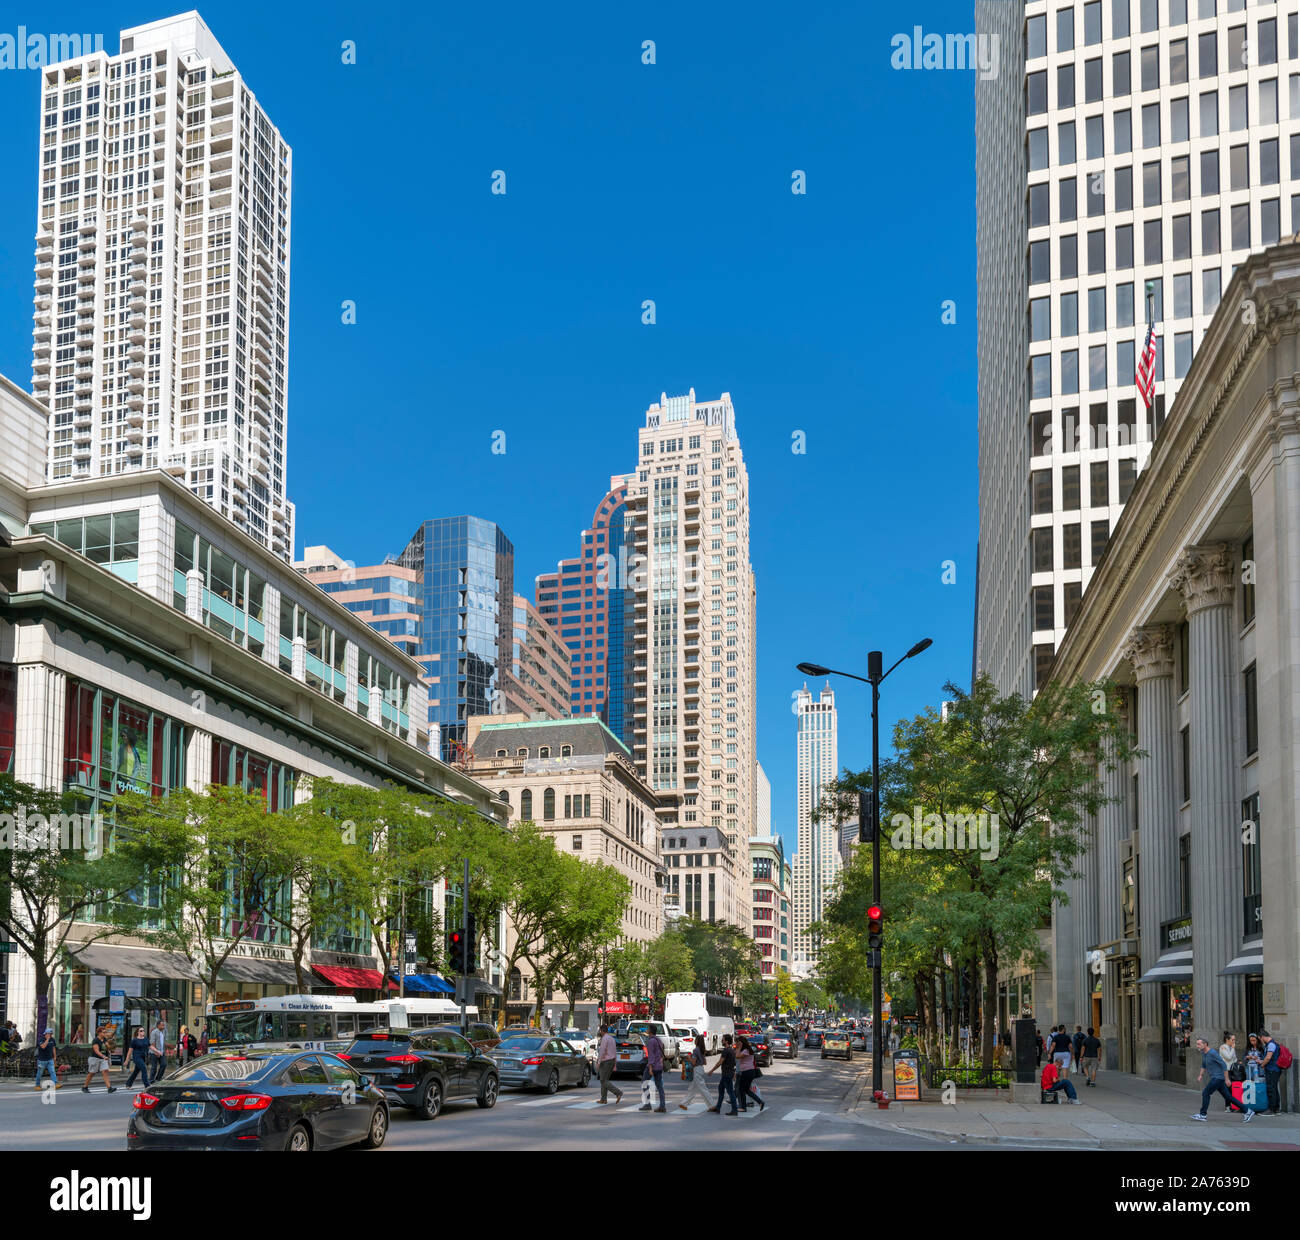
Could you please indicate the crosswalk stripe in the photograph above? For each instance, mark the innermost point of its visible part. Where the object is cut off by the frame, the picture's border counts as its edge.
(796, 1116)
(544, 1102)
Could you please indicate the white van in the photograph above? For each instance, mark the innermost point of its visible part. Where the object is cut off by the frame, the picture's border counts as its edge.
(711, 1015)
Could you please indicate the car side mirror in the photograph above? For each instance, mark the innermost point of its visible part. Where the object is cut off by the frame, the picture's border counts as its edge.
(366, 1081)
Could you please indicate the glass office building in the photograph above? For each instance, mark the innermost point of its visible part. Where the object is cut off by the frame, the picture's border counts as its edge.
(465, 578)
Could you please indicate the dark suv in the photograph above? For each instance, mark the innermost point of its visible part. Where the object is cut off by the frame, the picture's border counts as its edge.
(814, 1037)
(424, 1069)
(482, 1037)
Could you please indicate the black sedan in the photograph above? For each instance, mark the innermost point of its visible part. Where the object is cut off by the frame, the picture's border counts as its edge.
(762, 1048)
(425, 1069)
(813, 1037)
(287, 1100)
(540, 1063)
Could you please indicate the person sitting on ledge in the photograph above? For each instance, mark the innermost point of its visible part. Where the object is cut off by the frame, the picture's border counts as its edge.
(1051, 1084)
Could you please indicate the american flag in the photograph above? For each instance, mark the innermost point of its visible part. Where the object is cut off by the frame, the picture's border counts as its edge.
(1146, 372)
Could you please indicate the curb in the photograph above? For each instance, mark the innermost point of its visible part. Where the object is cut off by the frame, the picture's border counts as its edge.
(1059, 1143)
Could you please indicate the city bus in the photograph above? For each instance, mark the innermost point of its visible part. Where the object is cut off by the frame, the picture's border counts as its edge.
(711, 1015)
(317, 1022)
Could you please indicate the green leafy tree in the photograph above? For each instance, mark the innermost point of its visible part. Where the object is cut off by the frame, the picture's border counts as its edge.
(57, 871)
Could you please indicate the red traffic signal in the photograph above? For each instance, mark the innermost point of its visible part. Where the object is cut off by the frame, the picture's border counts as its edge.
(875, 927)
(874, 913)
(456, 952)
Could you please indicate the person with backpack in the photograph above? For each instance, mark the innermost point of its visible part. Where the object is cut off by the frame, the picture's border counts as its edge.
(1062, 1051)
(727, 1063)
(1276, 1060)
(1254, 1057)
(1076, 1047)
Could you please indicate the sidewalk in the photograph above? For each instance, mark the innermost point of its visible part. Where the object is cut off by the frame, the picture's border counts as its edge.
(1121, 1112)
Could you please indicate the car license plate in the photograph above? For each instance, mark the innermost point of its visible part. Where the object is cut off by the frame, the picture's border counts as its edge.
(625, 1055)
(190, 1110)
(510, 1063)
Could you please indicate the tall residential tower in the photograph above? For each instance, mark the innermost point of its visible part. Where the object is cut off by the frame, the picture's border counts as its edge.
(817, 863)
(161, 319)
(1125, 146)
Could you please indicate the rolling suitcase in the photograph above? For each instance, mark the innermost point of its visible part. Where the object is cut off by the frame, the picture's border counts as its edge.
(1254, 1094)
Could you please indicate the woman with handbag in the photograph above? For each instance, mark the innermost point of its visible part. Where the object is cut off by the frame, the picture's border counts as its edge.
(693, 1075)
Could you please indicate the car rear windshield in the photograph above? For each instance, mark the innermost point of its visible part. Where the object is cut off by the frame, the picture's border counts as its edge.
(524, 1044)
(223, 1068)
(373, 1043)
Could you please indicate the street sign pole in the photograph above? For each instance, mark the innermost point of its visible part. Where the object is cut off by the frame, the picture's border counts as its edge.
(464, 938)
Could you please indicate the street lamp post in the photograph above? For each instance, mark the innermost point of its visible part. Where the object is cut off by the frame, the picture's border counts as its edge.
(874, 678)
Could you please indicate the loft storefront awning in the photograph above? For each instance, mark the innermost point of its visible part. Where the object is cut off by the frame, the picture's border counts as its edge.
(349, 978)
(426, 983)
(485, 988)
(1252, 962)
(247, 969)
(1172, 966)
(115, 961)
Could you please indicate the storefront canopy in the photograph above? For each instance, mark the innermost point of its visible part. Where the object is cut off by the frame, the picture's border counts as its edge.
(349, 978)
(114, 961)
(138, 1003)
(485, 988)
(1172, 966)
(1252, 963)
(271, 972)
(426, 983)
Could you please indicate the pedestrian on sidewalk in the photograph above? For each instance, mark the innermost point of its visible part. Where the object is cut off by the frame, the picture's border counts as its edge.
(1235, 1072)
(1090, 1057)
(46, 1050)
(158, 1049)
(1254, 1057)
(1052, 1082)
(139, 1047)
(606, 1057)
(101, 1060)
(693, 1074)
(1212, 1063)
(1076, 1045)
(1272, 1071)
(654, 1065)
(1062, 1051)
(748, 1072)
(727, 1063)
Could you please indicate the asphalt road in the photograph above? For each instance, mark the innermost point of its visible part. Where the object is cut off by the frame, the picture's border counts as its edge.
(805, 1111)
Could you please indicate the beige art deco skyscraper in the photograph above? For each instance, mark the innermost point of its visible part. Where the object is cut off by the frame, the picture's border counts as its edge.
(160, 334)
(691, 638)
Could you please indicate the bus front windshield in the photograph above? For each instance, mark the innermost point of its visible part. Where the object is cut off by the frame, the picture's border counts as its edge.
(235, 1029)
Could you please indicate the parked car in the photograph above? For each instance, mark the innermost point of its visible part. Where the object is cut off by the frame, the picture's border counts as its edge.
(541, 1063)
(858, 1039)
(672, 1048)
(813, 1037)
(424, 1069)
(837, 1043)
(762, 1050)
(267, 1100)
(784, 1044)
(631, 1054)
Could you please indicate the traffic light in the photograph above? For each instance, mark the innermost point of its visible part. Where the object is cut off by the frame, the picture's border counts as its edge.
(875, 927)
(866, 818)
(471, 946)
(456, 952)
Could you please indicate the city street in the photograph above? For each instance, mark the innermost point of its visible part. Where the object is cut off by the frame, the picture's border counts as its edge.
(806, 1110)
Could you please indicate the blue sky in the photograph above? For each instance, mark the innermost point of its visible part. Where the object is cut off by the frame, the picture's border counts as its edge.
(819, 313)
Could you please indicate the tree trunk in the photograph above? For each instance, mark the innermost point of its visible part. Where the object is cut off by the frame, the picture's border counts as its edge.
(990, 1003)
(949, 1024)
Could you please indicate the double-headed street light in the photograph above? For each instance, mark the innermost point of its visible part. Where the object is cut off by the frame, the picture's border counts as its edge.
(874, 677)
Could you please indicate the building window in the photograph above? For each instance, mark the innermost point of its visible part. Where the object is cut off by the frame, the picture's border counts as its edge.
(1100, 536)
(1184, 658)
(1250, 685)
(1072, 546)
(1042, 540)
(1250, 866)
(1044, 609)
(526, 804)
(577, 843)
(1185, 741)
(1248, 580)
(1072, 596)
(1185, 874)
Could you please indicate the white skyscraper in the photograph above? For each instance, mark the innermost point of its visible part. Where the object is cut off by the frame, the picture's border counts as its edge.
(162, 274)
(817, 862)
(691, 674)
(1123, 144)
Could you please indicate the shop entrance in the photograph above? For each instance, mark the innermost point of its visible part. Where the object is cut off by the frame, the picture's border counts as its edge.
(1129, 998)
(1177, 1008)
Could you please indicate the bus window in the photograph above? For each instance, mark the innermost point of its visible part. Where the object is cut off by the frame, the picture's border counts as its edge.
(274, 1026)
(295, 1026)
(345, 1025)
(417, 1020)
(322, 1025)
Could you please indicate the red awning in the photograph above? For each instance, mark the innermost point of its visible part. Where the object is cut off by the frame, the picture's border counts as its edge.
(618, 1009)
(351, 979)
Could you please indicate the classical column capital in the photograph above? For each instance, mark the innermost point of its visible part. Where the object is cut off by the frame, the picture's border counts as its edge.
(1151, 651)
(1205, 576)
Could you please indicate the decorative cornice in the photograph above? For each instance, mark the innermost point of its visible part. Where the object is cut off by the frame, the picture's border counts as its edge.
(1205, 577)
(1151, 651)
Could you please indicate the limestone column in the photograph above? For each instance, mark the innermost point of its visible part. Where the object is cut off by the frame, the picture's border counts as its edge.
(1112, 827)
(1087, 914)
(1206, 580)
(1151, 651)
(42, 698)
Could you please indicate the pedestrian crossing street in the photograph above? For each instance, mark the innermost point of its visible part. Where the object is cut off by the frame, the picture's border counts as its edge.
(631, 1103)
